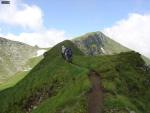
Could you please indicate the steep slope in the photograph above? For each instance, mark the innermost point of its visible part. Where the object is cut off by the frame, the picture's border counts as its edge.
(14, 79)
(147, 60)
(96, 43)
(52, 86)
(55, 86)
(13, 55)
(11, 81)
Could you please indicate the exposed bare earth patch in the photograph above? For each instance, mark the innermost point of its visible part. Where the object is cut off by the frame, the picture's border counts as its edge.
(96, 94)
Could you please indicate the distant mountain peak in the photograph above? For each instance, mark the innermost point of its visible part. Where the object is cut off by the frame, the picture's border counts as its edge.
(96, 43)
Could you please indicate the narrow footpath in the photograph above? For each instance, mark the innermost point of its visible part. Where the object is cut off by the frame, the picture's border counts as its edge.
(96, 94)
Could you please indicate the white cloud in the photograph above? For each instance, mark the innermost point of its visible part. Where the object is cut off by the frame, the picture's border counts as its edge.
(21, 14)
(42, 39)
(41, 52)
(133, 32)
(29, 17)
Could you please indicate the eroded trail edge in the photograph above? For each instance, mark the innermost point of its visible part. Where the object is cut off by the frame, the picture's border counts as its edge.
(95, 100)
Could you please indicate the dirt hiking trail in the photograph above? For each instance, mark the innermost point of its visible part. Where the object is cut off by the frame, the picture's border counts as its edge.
(96, 94)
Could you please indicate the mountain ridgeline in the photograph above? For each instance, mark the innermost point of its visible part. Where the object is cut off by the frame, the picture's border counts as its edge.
(13, 55)
(96, 43)
(56, 86)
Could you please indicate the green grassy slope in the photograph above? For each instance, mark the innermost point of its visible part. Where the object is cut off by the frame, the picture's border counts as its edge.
(125, 83)
(147, 60)
(32, 62)
(114, 47)
(20, 75)
(62, 85)
(55, 86)
(13, 80)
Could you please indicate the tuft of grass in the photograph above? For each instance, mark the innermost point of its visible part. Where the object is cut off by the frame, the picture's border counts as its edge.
(109, 86)
(119, 102)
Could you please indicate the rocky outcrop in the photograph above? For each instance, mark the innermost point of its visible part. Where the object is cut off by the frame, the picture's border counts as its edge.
(96, 43)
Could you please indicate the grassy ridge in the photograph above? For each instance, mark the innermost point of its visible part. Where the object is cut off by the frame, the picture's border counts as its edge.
(64, 86)
(66, 83)
(124, 81)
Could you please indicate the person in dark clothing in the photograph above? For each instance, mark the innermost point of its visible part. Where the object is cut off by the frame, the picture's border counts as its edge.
(67, 54)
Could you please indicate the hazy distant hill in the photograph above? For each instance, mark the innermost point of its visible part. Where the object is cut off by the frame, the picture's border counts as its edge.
(13, 55)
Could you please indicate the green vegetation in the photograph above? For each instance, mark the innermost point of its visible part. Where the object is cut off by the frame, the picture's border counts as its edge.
(96, 43)
(13, 80)
(32, 62)
(147, 60)
(10, 82)
(125, 83)
(66, 85)
(55, 86)
(112, 47)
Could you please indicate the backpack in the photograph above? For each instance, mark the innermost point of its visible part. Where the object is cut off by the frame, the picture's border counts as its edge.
(68, 52)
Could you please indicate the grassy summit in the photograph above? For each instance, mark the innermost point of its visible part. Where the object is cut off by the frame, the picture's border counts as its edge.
(55, 86)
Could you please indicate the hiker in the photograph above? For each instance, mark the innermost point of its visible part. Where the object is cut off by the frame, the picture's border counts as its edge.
(63, 51)
(67, 54)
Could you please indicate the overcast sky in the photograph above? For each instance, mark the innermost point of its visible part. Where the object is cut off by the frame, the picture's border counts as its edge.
(47, 22)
